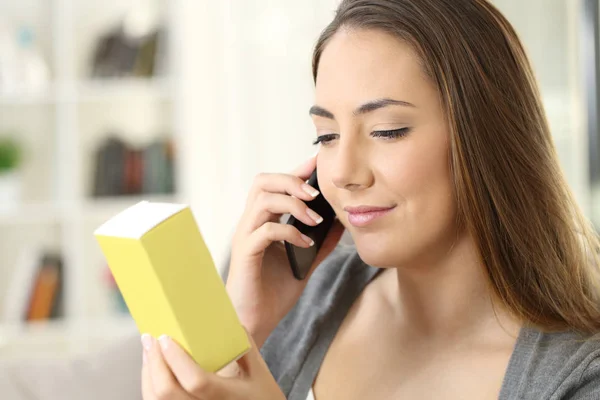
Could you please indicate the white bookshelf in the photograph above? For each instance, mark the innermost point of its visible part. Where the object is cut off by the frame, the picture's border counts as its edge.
(62, 127)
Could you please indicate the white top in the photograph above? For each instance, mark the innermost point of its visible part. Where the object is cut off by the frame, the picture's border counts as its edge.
(311, 395)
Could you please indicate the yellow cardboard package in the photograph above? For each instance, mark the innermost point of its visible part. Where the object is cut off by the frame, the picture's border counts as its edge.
(169, 281)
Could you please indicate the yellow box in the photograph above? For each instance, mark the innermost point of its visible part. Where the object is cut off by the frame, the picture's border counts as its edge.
(169, 281)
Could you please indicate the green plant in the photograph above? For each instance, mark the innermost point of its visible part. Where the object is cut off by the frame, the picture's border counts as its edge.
(10, 154)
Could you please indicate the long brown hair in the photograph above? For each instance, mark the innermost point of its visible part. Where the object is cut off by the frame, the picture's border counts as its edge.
(539, 252)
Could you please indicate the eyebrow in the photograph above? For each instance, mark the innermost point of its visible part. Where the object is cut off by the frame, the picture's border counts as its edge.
(363, 109)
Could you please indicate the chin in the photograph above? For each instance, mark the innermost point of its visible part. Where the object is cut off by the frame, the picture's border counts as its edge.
(376, 252)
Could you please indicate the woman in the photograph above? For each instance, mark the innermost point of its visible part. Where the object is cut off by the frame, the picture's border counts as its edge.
(473, 273)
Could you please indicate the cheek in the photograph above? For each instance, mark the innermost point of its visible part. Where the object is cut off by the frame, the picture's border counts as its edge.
(420, 176)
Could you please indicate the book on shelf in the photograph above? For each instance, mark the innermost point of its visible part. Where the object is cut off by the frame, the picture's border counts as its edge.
(121, 169)
(118, 54)
(170, 284)
(35, 291)
(133, 172)
(44, 300)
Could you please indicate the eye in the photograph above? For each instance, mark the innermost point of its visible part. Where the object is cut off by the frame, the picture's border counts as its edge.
(392, 134)
(324, 139)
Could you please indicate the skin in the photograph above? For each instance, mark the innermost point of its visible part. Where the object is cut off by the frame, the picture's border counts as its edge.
(428, 325)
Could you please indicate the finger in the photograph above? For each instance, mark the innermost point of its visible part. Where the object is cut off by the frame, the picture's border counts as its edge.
(188, 373)
(329, 244)
(272, 198)
(270, 232)
(147, 391)
(305, 169)
(268, 204)
(283, 184)
(164, 383)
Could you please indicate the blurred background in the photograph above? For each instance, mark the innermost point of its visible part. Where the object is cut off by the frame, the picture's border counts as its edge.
(106, 103)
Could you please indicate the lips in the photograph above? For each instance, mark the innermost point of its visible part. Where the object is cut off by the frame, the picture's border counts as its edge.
(364, 215)
(365, 209)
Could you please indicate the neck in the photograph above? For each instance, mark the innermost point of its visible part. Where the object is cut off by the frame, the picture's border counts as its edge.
(448, 298)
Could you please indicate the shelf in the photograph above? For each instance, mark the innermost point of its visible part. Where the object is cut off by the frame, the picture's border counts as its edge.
(30, 214)
(65, 327)
(106, 207)
(99, 208)
(65, 332)
(46, 97)
(94, 90)
(109, 89)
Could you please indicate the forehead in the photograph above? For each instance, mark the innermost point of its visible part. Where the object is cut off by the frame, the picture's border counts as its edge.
(359, 65)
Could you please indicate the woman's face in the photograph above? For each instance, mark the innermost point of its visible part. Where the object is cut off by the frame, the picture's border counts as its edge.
(384, 143)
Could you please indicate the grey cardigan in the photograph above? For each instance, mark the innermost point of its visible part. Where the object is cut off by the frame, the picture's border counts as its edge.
(542, 366)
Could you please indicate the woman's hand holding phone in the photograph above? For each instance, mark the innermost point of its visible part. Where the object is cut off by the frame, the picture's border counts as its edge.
(260, 281)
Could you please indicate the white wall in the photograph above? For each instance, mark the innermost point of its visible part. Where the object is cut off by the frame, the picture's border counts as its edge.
(247, 89)
(549, 30)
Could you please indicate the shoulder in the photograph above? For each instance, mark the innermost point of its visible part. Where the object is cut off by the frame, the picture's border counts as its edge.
(561, 365)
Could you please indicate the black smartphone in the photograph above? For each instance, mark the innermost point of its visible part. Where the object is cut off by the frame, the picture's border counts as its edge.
(301, 258)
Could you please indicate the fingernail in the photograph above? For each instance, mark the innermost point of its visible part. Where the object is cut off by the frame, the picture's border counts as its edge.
(308, 240)
(147, 341)
(164, 341)
(316, 153)
(314, 216)
(310, 190)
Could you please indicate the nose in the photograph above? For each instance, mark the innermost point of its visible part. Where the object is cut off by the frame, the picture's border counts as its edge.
(351, 166)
